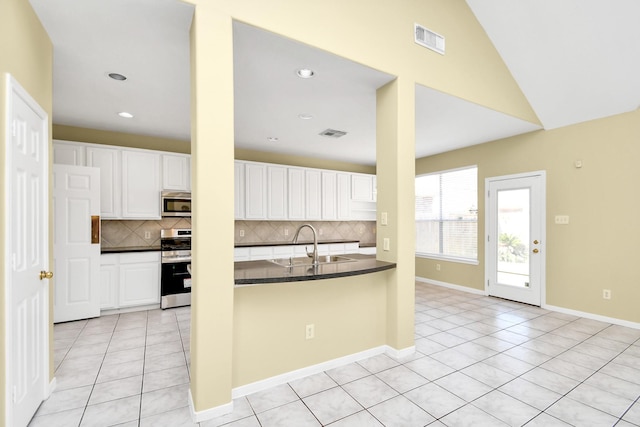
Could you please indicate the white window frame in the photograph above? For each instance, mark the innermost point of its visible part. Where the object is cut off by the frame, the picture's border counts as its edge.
(462, 260)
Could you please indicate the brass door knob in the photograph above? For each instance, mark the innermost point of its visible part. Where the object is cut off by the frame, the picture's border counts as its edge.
(46, 274)
(535, 251)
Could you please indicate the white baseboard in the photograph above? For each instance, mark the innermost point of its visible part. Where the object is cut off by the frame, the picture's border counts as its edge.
(208, 414)
(592, 316)
(451, 286)
(52, 387)
(305, 372)
(400, 354)
(292, 376)
(584, 314)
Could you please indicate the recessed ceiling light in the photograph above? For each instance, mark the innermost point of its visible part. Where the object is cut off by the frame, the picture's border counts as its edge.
(305, 116)
(305, 73)
(125, 115)
(116, 76)
(272, 139)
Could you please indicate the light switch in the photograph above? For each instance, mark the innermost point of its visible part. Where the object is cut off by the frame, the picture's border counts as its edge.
(385, 244)
(383, 218)
(562, 219)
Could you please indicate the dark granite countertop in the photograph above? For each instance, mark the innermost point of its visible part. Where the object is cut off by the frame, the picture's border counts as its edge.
(129, 249)
(287, 243)
(259, 272)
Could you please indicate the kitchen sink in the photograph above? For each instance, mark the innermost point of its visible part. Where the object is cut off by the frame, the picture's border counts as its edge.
(306, 261)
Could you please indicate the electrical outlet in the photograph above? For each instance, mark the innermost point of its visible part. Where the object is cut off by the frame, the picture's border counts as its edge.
(286, 231)
(438, 267)
(320, 231)
(241, 233)
(147, 235)
(385, 244)
(310, 331)
(384, 218)
(562, 219)
(606, 293)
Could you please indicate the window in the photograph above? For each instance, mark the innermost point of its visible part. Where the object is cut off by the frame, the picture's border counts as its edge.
(447, 214)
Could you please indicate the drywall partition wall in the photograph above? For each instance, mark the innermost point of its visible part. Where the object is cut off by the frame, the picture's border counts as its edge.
(598, 248)
(376, 34)
(348, 314)
(213, 213)
(27, 54)
(72, 133)
(395, 150)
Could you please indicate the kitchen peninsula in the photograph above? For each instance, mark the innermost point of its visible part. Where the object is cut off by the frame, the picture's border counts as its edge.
(267, 271)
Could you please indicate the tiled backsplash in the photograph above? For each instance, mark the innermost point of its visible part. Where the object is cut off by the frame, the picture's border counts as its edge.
(281, 231)
(124, 234)
(118, 234)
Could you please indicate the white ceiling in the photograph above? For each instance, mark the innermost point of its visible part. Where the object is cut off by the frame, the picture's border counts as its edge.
(574, 60)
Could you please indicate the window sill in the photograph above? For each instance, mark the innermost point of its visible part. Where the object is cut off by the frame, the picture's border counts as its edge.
(448, 258)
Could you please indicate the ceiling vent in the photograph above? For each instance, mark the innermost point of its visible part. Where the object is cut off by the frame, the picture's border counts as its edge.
(429, 39)
(332, 133)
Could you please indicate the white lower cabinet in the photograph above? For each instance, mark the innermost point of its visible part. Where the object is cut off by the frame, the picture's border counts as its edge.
(129, 279)
(109, 281)
(368, 250)
(254, 253)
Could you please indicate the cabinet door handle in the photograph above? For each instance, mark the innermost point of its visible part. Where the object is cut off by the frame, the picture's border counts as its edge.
(95, 229)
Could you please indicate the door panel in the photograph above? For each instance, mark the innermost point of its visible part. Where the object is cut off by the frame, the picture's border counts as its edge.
(77, 260)
(515, 236)
(28, 231)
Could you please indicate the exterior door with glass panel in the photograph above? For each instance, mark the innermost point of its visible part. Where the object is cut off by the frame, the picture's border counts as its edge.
(515, 237)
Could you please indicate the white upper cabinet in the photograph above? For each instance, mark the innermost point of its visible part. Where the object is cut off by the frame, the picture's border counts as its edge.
(238, 189)
(343, 196)
(296, 198)
(141, 185)
(130, 179)
(313, 194)
(108, 160)
(329, 199)
(68, 153)
(176, 172)
(362, 187)
(276, 192)
(255, 191)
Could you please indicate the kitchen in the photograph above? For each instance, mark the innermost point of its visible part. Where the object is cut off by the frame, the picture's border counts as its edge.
(223, 232)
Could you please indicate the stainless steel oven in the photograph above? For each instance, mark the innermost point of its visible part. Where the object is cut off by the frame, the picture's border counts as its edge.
(175, 281)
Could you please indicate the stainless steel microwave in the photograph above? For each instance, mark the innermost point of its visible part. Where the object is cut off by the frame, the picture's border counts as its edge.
(176, 203)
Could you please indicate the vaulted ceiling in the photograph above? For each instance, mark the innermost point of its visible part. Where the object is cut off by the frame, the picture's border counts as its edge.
(574, 60)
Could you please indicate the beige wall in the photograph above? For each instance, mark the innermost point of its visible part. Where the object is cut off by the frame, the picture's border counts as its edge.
(376, 34)
(598, 248)
(26, 53)
(269, 322)
(72, 133)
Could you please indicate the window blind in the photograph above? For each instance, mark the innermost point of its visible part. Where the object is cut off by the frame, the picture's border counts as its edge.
(447, 214)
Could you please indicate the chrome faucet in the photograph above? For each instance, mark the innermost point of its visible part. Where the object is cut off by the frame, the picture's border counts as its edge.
(314, 254)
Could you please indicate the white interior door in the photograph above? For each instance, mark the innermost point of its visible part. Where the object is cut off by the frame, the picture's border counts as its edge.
(515, 253)
(76, 248)
(27, 223)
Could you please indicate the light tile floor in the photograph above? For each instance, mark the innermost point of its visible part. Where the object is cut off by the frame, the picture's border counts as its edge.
(480, 361)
